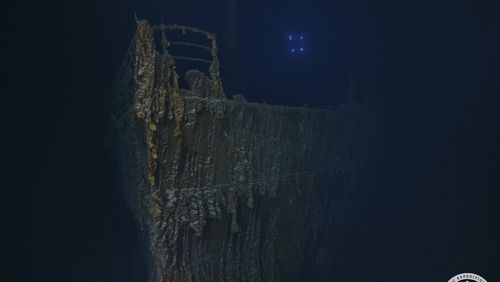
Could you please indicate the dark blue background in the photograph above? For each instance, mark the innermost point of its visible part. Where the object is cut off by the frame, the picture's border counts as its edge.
(435, 62)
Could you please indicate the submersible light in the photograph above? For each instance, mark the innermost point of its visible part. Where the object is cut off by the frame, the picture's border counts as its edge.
(296, 44)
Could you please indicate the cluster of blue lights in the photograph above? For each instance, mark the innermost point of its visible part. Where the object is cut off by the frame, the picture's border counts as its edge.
(293, 50)
(296, 44)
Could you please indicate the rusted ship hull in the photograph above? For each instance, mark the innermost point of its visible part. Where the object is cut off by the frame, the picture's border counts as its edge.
(225, 190)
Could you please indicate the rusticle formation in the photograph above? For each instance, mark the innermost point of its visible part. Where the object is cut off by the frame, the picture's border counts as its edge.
(220, 187)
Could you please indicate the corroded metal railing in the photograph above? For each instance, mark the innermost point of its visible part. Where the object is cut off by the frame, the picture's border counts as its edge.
(214, 69)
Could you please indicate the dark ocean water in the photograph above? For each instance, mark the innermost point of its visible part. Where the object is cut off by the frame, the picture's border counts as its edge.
(432, 215)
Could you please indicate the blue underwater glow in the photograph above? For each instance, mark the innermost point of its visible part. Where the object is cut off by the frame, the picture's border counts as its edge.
(295, 44)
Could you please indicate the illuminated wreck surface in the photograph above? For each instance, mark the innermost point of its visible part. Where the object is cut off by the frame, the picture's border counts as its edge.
(223, 189)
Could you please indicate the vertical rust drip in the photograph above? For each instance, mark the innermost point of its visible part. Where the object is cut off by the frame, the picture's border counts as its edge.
(215, 70)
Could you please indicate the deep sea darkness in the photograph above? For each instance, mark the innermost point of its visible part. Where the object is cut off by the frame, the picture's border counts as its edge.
(436, 63)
